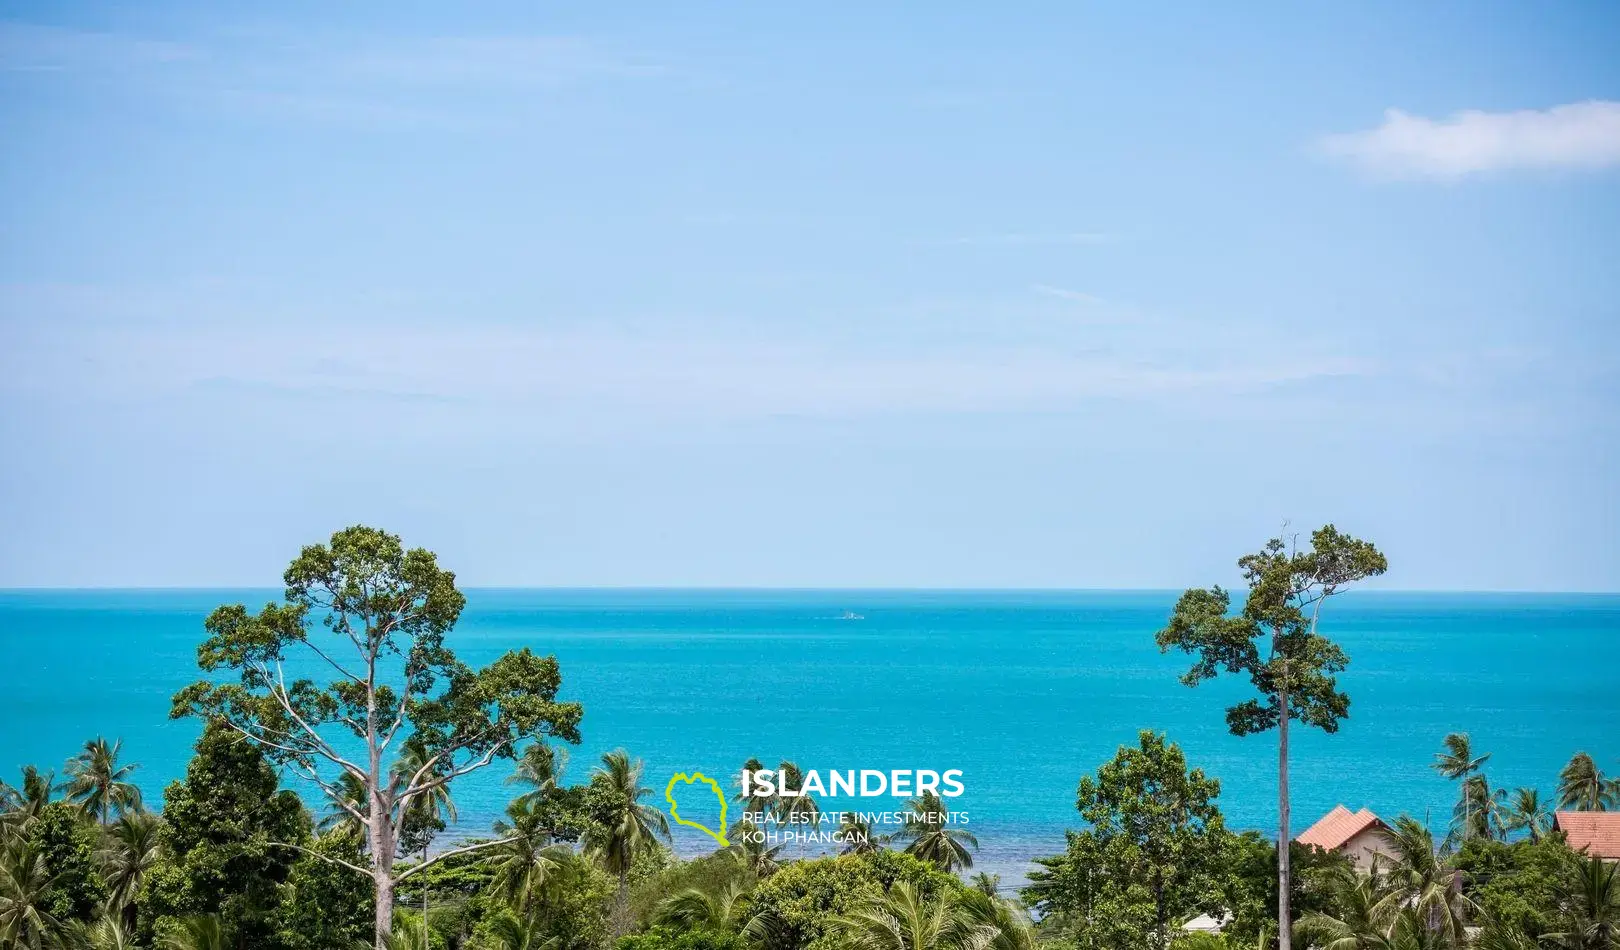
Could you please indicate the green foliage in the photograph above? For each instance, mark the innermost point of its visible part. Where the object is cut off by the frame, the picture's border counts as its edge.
(66, 842)
(1286, 589)
(797, 905)
(1247, 885)
(324, 905)
(1582, 786)
(223, 824)
(574, 912)
(1515, 885)
(932, 837)
(99, 784)
(418, 715)
(131, 848)
(710, 875)
(1155, 842)
(670, 938)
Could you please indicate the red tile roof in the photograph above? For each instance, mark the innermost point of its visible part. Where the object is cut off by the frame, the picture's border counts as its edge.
(1596, 831)
(1337, 827)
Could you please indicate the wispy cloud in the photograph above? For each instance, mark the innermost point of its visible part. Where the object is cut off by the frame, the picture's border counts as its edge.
(406, 81)
(503, 60)
(28, 47)
(1062, 293)
(1577, 135)
(537, 373)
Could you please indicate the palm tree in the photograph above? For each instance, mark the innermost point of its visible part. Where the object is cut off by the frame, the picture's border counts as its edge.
(98, 784)
(202, 932)
(1589, 905)
(132, 847)
(1412, 932)
(1422, 882)
(1479, 813)
(933, 838)
(1363, 916)
(1457, 761)
(749, 850)
(22, 803)
(26, 921)
(753, 803)
(540, 768)
(525, 865)
(696, 908)
(1528, 813)
(508, 931)
(107, 933)
(1582, 787)
(1499, 936)
(903, 920)
(788, 808)
(857, 835)
(341, 820)
(625, 829)
(410, 932)
(1012, 925)
(428, 811)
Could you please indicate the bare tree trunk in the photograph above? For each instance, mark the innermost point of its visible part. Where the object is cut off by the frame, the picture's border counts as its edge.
(382, 850)
(385, 906)
(1284, 877)
(621, 906)
(425, 886)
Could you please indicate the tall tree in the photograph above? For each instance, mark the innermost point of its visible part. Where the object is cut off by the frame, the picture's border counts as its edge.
(622, 826)
(99, 784)
(1582, 786)
(1457, 761)
(376, 615)
(1274, 642)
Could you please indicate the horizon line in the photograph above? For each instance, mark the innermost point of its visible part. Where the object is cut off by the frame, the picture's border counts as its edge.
(722, 588)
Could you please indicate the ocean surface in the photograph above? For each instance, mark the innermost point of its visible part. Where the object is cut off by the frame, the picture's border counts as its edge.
(1022, 691)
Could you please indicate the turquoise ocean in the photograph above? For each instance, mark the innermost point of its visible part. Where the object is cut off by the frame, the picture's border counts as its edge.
(1023, 691)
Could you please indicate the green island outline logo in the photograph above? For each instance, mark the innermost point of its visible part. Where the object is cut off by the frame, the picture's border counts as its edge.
(675, 812)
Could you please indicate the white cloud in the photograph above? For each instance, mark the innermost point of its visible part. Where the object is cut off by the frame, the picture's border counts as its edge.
(1063, 293)
(1577, 135)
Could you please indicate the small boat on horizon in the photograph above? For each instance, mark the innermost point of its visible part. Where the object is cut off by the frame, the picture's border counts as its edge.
(851, 615)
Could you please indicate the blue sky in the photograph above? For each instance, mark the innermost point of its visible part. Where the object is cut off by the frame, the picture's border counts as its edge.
(1061, 295)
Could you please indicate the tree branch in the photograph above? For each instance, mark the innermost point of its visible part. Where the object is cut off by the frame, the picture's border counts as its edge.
(324, 857)
(322, 746)
(445, 854)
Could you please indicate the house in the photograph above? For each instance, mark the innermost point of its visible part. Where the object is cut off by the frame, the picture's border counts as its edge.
(1205, 924)
(1359, 835)
(1595, 832)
